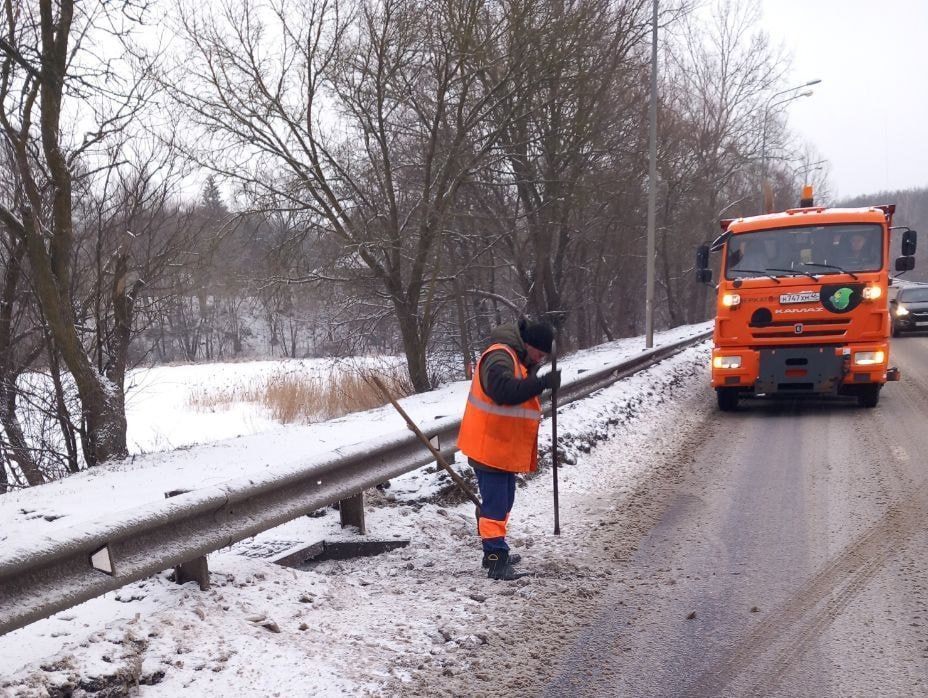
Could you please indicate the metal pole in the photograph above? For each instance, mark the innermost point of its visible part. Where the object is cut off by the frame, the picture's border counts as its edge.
(557, 506)
(763, 146)
(763, 164)
(652, 191)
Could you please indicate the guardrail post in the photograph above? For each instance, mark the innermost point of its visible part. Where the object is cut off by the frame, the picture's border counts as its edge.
(195, 570)
(351, 512)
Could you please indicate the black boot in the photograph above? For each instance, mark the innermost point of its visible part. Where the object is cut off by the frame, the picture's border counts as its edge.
(500, 568)
(514, 559)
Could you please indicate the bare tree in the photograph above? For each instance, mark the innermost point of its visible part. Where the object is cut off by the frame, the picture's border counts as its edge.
(719, 72)
(48, 67)
(366, 117)
(569, 125)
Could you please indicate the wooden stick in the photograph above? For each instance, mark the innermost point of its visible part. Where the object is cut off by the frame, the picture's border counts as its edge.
(458, 480)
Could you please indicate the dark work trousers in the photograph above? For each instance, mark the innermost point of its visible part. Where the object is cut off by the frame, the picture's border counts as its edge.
(497, 493)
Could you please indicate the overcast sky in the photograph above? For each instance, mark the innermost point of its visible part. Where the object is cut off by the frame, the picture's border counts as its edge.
(868, 116)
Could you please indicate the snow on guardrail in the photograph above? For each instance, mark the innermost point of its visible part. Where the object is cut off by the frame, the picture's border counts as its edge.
(54, 572)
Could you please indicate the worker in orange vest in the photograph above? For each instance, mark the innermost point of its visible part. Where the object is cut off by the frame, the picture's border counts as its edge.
(499, 432)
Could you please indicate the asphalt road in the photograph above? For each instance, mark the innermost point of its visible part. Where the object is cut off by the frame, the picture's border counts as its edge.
(789, 559)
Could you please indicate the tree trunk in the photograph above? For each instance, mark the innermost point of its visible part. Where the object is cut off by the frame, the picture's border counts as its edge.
(101, 400)
(415, 347)
(465, 334)
(19, 451)
(64, 419)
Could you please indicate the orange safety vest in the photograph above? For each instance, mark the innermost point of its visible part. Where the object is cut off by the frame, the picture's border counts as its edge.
(500, 436)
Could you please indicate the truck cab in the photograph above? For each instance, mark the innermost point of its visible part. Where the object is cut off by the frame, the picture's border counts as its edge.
(801, 305)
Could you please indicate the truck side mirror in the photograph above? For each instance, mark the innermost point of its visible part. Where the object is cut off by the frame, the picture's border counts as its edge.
(909, 242)
(703, 272)
(702, 257)
(905, 263)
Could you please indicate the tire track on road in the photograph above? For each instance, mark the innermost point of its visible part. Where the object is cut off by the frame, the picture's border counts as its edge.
(814, 627)
(849, 571)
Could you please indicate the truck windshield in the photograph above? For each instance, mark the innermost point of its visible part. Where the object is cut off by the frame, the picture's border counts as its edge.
(819, 250)
(914, 295)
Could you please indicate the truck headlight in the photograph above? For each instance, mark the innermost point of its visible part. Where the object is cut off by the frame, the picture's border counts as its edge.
(871, 293)
(731, 300)
(901, 310)
(726, 362)
(867, 358)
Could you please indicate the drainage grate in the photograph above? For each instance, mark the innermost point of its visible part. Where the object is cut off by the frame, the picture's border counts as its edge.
(336, 550)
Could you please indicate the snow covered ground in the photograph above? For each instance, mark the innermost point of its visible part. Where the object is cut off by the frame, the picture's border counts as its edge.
(158, 399)
(380, 625)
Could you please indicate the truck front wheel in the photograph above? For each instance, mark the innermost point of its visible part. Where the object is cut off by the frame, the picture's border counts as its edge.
(869, 395)
(728, 399)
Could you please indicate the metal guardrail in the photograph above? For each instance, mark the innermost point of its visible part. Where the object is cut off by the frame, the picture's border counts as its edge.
(38, 581)
(598, 379)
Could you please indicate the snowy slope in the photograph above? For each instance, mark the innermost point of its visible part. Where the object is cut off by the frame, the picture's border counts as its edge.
(344, 627)
(260, 446)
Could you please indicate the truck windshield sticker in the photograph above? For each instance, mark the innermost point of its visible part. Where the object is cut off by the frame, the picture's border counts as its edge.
(801, 297)
(841, 298)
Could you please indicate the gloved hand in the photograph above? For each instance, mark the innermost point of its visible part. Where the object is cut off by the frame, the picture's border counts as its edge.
(551, 380)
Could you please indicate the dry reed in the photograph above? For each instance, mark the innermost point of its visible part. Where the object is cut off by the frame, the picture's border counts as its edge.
(291, 398)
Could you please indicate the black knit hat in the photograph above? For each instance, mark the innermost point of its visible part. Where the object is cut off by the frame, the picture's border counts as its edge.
(538, 334)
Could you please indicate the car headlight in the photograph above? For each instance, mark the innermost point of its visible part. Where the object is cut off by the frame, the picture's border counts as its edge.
(901, 310)
(726, 362)
(871, 293)
(731, 300)
(867, 358)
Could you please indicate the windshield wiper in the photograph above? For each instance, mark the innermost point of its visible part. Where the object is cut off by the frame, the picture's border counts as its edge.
(796, 272)
(830, 266)
(757, 271)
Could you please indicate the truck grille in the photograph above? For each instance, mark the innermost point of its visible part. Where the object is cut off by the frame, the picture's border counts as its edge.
(804, 333)
(828, 327)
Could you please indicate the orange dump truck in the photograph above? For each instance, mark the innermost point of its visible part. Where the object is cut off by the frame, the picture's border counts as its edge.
(802, 302)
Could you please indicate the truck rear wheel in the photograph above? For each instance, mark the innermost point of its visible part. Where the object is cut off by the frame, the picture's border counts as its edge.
(728, 399)
(869, 395)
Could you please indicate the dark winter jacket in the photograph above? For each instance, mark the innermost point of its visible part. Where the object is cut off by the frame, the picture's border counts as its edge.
(497, 374)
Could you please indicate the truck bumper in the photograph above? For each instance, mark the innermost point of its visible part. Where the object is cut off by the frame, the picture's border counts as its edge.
(812, 370)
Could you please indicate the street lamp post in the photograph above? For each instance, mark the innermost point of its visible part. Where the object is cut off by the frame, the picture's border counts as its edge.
(763, 148)
(652, 192)
(807, 168)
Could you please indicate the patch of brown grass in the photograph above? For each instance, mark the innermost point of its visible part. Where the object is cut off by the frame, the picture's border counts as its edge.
(293, 398)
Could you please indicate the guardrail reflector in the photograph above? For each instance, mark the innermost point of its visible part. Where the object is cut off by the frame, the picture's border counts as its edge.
(102, 560)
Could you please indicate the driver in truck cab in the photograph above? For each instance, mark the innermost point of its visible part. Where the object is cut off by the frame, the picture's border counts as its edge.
(757, 254)
(859, 254)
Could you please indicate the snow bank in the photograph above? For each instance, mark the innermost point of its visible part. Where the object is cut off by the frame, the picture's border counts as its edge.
(352, 627)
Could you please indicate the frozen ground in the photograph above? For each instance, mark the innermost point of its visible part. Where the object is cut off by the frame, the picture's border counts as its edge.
(403, 622)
